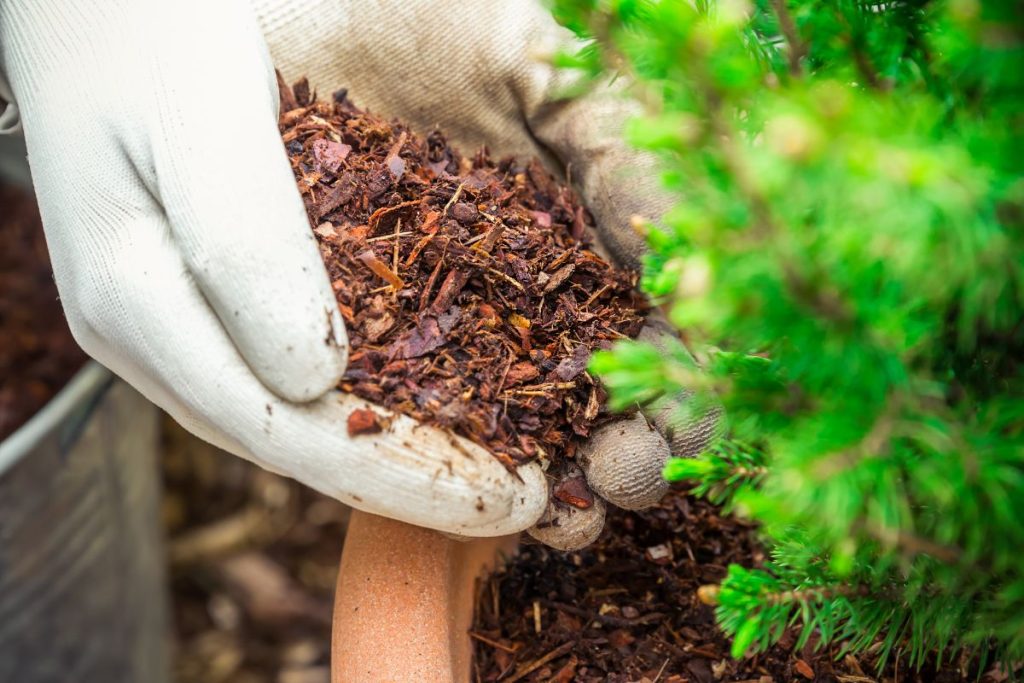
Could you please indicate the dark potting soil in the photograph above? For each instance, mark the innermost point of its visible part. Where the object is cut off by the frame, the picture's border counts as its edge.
(626, 609)
(469, 289)
(37, 352)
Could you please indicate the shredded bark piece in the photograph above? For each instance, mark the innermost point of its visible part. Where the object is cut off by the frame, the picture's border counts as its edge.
(363, 421)
(574, 491)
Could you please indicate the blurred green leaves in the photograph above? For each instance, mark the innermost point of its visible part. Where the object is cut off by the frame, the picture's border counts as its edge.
(848, 248)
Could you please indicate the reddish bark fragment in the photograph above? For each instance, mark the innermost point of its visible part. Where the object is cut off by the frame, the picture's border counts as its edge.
(303, 96)
(422, 339)
(574, 491)
(492, 237)
(340, 194)
(450, 288)
(363, 421)
(380, 269)
(542, 218)
(395, 163)
(579, 226)
(329, 155)
(559, 277)
(569, 368)
(521, 372)
(288, 102)
(567, 672)
(620, 638)
(804, 669)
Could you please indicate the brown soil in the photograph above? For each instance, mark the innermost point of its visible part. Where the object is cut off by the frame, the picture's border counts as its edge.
(37, 353)
(470, 293)
(626, 609)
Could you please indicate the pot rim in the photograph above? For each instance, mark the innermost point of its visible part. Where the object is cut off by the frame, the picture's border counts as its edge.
(91, 380)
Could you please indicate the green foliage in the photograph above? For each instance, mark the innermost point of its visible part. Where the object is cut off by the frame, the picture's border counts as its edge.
(850, 228)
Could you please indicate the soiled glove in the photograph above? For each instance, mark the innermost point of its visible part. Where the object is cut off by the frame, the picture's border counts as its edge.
(184, 259)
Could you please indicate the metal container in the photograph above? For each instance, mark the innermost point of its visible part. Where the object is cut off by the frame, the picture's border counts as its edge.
(82, 578)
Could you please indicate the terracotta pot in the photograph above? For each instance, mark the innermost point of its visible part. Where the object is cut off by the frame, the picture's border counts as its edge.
(404, 602)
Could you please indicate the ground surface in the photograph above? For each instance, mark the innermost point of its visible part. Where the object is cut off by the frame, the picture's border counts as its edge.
(626, 609)
(254, 556)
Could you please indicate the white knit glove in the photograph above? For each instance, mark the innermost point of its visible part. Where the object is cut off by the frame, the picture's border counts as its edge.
(184, 258)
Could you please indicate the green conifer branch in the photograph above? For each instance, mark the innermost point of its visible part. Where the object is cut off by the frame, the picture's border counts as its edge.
(851, 204)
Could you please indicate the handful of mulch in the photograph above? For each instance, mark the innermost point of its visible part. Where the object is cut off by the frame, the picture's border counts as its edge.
(470, 293)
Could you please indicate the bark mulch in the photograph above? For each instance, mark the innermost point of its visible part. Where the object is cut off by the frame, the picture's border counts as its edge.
(37, 352)
(469, 289)
(626, 609)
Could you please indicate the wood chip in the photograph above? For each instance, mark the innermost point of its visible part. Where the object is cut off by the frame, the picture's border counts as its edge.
(363, 421)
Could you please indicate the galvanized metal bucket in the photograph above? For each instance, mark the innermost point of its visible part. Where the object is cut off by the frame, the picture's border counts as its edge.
(82, 578)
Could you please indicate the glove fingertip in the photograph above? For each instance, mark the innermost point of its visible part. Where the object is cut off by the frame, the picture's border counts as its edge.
(623, 462)
(688, 432)
(566, 528)
(308, 368)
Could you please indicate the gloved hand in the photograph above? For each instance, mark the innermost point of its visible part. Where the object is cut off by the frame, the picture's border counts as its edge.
(184, 258)
(479, 71)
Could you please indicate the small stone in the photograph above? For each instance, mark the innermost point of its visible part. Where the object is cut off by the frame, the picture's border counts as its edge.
(464, 212)
(659, 554)
(326, 230)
